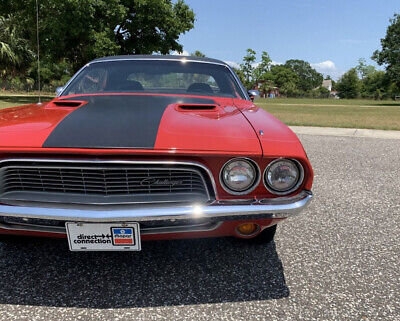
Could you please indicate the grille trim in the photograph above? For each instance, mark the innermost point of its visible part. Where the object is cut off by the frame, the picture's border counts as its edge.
(104, 181)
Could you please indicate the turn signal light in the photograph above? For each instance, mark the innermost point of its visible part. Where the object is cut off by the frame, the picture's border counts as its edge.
(247, 229)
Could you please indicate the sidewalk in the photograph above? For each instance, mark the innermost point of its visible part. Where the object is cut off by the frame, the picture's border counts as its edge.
(349, 132)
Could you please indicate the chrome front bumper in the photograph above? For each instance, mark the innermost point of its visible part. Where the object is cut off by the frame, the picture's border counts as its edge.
(218, 211)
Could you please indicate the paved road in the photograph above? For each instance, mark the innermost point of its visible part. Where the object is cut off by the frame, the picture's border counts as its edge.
(337, 261)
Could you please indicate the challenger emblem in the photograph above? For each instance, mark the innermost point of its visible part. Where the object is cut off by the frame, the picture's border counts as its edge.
(160, 182)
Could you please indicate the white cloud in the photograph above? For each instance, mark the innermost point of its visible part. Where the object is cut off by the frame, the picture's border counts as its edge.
(232, 64)
(183, 53)
(328, 67)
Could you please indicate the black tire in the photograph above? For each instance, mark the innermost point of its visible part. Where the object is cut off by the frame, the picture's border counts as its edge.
(265, 236)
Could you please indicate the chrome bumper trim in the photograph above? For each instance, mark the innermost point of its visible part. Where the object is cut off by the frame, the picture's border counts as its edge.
(205, 227)
(271, 208)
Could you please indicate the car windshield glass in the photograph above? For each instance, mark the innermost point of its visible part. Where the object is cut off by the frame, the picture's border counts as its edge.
(155, 76)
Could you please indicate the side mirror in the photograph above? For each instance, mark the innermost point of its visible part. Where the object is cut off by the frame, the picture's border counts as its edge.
(253, 94)
(59, 90)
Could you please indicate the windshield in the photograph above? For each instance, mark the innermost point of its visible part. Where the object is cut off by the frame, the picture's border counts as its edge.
(155, 76)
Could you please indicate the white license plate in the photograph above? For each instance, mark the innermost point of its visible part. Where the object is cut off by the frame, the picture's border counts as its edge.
(103, 236)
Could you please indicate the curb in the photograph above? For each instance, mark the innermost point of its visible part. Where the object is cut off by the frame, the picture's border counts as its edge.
(346, 132)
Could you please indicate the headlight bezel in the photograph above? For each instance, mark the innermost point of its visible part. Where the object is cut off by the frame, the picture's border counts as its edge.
(299, 182)
(254, 184)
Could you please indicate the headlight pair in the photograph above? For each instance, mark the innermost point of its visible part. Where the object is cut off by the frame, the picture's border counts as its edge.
(240, 176)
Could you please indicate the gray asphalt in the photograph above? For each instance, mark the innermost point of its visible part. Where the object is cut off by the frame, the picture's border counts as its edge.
(339, 260)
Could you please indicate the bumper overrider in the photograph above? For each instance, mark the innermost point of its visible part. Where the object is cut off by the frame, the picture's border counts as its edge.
(277, 208)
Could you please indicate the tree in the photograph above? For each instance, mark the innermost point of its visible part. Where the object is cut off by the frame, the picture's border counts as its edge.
(375, 85)
(247, 68)
(14, 50)
(262, 70)
(290, 90)
(198, 53)
(153, 26)
(80, 31)
(321, 92)
(282, 76)
(390, 53)
(240, 74)
(6, 53)
(363, 69)
(348, 85)
(308, 77)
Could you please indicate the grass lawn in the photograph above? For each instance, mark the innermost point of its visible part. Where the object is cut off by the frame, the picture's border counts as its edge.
(335, 113)
(329, 102)
(11, 100)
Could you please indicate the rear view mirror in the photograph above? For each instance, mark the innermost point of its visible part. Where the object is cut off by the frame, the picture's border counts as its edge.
(253, 94)
(59, 90)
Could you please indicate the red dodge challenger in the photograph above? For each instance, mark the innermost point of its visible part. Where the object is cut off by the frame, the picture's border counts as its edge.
(138, 148)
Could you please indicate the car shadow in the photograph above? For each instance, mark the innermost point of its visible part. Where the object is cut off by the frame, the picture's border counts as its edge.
(43, 272)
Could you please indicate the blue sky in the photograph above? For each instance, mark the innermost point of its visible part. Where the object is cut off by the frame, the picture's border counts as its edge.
(330, 34)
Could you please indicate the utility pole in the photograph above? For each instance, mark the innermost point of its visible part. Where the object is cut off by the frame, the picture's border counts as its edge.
(38, 51)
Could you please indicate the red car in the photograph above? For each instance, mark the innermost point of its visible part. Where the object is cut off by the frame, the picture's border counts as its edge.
(138, 148)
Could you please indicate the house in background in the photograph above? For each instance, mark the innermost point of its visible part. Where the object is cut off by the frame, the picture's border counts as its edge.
(271, 92)
(327, 84)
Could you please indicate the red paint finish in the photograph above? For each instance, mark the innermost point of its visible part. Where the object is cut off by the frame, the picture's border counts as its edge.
(210, 137)
(278, 140)
(28, 126)
(223, 129)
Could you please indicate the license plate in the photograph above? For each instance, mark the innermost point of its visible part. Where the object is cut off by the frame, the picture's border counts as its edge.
(103, 236)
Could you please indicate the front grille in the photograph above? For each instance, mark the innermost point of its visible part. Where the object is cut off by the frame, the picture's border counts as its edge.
(98, 182)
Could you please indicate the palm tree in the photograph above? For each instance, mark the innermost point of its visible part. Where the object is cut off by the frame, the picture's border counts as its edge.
(14, 50)
(6, 53)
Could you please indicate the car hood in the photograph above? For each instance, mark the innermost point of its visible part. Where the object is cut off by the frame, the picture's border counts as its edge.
(130, 121)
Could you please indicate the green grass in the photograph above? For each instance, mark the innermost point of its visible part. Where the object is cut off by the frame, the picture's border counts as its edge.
(330, 102)
(335, 113)
(11, 100)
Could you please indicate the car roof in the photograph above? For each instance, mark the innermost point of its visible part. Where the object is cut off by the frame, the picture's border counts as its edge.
(161, 57)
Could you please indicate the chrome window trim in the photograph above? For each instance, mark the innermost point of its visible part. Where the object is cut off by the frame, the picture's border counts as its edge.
(294, 188)
(108, 161)
(253, 187)
(239, 83)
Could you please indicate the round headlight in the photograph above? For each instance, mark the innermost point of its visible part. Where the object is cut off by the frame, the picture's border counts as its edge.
(283, 176)
(239, 176)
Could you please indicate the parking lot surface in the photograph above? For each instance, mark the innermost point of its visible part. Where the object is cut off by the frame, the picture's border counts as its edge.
(338, 260)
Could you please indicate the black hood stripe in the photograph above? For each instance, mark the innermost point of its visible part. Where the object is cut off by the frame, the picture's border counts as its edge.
(115, 121)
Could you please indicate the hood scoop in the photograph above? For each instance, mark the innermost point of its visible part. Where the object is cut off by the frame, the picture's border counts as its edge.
(68, 103)
(197, 107)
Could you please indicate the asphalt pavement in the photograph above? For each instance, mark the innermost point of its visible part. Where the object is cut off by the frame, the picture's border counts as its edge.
(338, 260)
